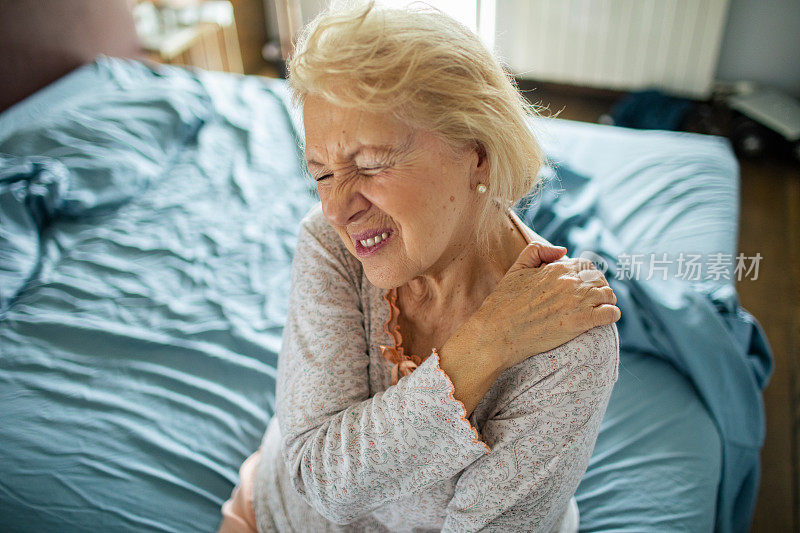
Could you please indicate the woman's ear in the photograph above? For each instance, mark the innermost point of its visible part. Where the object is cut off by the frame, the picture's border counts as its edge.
(480, 169)
(479, 166)
(483, 161)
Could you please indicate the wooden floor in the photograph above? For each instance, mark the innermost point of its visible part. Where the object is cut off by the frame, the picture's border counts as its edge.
(770, 225)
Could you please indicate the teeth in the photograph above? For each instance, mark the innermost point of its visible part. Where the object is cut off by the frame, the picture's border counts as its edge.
(372, 241)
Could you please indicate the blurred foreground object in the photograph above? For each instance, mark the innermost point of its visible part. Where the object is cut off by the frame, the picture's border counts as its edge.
(43, 40)
(191, 33)
(289, 17)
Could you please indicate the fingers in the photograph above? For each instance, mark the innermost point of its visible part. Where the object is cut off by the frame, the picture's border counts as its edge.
(590, 276)
(548, 254)
(581, 269)
(601, 295)
(535, 254)
(577, 264)
(604, 315)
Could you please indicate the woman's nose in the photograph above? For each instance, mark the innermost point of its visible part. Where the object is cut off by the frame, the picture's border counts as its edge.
(344, 206)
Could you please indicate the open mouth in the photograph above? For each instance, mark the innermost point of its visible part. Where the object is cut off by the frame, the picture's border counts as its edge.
(370, 242)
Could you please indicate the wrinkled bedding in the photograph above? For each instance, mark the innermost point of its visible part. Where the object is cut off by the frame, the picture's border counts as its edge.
(154, 215)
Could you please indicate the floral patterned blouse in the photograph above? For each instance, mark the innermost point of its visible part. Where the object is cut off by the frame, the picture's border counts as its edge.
(350, 451)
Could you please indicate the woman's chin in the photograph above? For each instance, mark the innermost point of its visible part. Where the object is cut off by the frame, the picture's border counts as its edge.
(381, 278)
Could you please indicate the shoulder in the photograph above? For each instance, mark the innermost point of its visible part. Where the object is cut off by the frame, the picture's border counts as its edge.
(589, 363)
(314, 221)
(590, 360)
(593, 356)
(320, 249)
(315, 230)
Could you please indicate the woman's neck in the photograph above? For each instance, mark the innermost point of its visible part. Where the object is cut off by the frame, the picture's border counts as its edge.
(468, 276)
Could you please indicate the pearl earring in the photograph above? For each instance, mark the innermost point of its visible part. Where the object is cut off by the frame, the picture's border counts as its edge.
(481, 188)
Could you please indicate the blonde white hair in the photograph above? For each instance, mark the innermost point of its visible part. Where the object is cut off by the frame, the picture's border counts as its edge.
(432, 73)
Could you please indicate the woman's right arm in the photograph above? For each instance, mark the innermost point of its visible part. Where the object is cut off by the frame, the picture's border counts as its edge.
(348, 453)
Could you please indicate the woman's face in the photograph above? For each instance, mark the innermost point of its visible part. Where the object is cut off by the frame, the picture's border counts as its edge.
(402, 201)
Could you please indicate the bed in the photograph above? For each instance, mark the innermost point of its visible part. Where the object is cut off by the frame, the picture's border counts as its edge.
(149, 216)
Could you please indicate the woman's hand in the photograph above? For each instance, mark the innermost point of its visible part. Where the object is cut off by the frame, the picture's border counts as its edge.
(542, 302)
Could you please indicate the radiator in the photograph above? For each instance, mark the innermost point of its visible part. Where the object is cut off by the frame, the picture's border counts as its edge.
(672, 45)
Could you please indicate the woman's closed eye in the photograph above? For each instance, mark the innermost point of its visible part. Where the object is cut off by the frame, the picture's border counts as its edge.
(361, 171)
(371, 170)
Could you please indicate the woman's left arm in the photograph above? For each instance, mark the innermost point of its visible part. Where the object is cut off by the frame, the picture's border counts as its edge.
(541, 438)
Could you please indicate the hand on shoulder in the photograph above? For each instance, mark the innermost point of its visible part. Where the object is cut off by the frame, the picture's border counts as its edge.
(544, 301)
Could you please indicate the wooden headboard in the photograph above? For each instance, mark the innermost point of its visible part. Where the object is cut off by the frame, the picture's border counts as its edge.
(41, 40)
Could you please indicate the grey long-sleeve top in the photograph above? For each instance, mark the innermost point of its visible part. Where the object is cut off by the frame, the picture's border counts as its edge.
(348, 451)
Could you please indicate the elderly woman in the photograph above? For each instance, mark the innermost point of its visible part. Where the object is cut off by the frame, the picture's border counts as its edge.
(443, 366)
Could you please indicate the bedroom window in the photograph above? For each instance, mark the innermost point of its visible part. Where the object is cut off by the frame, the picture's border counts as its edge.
(478, 15)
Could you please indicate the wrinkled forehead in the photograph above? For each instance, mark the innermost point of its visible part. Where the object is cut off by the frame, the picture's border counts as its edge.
(335, 133)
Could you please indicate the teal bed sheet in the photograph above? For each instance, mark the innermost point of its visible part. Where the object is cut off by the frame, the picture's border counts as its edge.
(149, 218)
(138, 347)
